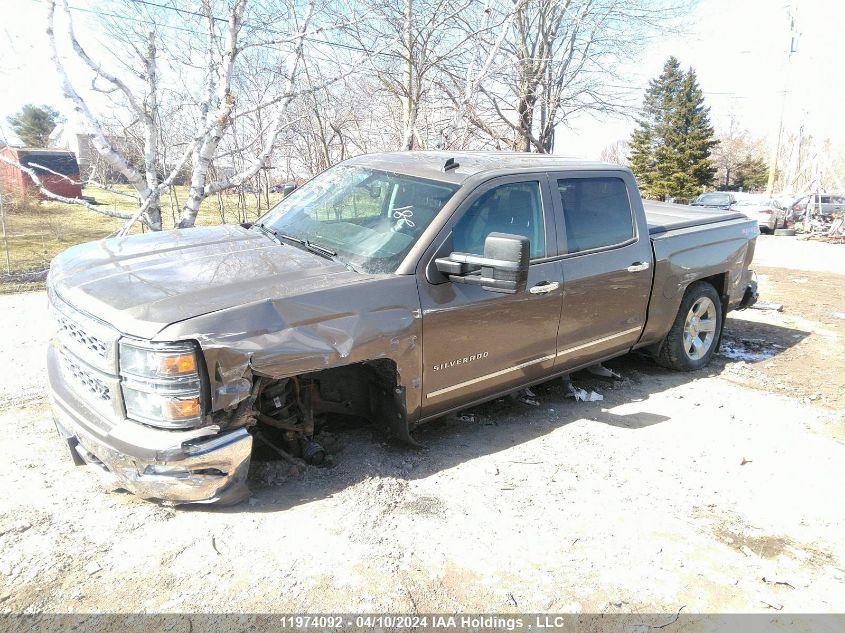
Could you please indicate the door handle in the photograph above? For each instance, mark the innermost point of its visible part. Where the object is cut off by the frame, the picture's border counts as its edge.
(638, 266)
(543, 287)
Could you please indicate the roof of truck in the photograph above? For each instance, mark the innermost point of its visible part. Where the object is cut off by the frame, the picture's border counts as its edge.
(661, 216)
(432, 164)
(666, 216)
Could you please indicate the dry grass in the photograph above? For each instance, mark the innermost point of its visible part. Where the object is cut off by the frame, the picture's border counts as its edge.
(36, 231)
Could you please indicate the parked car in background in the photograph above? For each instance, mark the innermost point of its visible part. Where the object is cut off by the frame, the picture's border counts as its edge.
(285, 188)
(715, 200)
(824, 204)
(769, 213)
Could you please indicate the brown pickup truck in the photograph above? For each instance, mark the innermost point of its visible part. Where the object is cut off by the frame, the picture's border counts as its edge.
(393, 288)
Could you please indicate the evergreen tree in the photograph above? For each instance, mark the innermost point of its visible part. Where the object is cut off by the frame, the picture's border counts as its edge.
(671, 147)
(751, 174)
(648, 141)
(33, 124)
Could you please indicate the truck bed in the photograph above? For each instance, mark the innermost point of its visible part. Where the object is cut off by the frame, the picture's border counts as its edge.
(665, 216)
(689, 244)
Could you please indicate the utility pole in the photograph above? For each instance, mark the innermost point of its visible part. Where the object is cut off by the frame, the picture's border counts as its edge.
(793, 41)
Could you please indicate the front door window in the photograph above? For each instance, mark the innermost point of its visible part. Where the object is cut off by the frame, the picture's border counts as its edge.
(513, 208)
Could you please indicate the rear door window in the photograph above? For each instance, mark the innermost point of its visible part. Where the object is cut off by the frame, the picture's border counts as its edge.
(596, 212)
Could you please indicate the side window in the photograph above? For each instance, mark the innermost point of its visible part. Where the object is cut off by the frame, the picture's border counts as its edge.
(513, 208)
(596, 212)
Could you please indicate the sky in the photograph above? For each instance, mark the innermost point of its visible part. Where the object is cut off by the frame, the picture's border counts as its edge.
(739, 50)
(737, 47)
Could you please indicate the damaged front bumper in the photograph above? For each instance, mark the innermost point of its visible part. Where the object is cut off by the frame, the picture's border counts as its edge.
(187, 466)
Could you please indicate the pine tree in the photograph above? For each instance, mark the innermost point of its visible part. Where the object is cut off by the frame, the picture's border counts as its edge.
(751, 174)
(648, 157)
(33, 124)
(670, 149)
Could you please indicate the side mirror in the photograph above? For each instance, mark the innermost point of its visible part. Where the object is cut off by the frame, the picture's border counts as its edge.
(504, 266)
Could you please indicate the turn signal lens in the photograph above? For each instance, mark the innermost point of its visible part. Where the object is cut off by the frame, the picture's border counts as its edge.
(177, 365)
(176, 360)
(181, 408)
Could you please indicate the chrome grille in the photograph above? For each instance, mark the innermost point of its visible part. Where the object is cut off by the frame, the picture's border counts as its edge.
(87, 350)
(69, 329)
(88, 339)
(84, 381)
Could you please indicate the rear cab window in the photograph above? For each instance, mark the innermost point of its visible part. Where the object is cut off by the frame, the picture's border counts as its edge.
(597, 213)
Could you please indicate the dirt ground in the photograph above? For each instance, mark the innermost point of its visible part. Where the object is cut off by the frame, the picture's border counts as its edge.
(716, 491)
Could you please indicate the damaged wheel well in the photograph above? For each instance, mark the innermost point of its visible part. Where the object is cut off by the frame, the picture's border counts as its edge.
(297, 405)
(720, 283)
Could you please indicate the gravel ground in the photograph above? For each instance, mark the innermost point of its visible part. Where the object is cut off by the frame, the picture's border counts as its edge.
(718, 491)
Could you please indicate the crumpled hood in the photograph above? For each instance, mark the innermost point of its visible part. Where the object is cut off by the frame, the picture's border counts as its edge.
(142, 283)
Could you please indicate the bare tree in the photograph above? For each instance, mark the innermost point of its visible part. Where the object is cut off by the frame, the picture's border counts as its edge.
(616, 153)
(735, 145)
(559, 60)
(427, 36)
(217, 119)
(484, 42)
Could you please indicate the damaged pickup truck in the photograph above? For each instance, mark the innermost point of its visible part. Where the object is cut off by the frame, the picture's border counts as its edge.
(393, 288)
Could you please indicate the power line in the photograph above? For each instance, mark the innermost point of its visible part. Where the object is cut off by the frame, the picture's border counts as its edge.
(217, 19)
(629, 88)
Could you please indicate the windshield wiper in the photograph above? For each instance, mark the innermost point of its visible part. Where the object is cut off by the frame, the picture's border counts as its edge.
(311, 246)
(320, 249)
(268, 232)
(291, 238)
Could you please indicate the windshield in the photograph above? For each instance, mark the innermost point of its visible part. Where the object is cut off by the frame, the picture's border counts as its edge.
(370, 219)
(714, 198)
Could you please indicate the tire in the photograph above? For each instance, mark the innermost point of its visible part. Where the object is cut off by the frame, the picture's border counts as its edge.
(785, 232)
(701, 309)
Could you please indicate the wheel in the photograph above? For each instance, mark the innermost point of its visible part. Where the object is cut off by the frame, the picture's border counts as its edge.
(692, 341)
(785, 232)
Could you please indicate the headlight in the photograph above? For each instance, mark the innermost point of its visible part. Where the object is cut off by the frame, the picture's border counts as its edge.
(161, 383)
(169, 362)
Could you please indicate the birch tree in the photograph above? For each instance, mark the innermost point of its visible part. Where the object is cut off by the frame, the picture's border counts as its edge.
(483, 46)
(209, 67)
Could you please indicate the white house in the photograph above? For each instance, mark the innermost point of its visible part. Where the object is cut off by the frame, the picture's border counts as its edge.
(64, 136)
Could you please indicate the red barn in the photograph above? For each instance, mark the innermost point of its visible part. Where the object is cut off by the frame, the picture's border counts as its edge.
(57, 169)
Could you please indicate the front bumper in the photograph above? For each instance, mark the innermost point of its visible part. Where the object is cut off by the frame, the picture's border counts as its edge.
(190, 466)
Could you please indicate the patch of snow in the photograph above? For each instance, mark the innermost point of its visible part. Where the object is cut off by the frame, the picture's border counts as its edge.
(747, 351)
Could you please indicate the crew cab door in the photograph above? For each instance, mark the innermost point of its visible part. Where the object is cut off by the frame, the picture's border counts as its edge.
(607, 264)
(478, 342)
